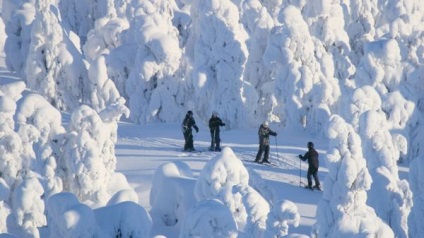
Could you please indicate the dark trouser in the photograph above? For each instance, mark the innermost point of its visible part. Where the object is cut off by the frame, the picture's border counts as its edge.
(215, 140)
(312, 172)
(188, 137)
(262, 149)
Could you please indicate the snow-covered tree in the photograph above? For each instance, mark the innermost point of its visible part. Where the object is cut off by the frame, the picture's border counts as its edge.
(37, 117)
(360, 25)
(103, 90)
(104, 37)
(415, 143)
(155, 94)
(10, 157)
(381, 66)
(28, 206)
(21, 188)
(390, 196)
(5, 209)
(301, 88)
(383, 69)
(416, 218)
(361, 100)
(80, 17)
(343, 211)
(18, 31)
(120, 63)
(89, 160)
(54, 67)
(326, 22)
(218, 56)
(258, 24)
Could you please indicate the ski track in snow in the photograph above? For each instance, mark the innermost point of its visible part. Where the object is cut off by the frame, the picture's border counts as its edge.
(285, 168)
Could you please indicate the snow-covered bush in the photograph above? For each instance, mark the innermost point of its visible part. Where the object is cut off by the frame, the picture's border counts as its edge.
(225, 169)
(177, 179)
(126, 219)
(283, 214)
(209, 218)
(67, 217)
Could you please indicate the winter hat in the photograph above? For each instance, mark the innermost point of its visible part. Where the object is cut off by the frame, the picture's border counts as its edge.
(310, 144)
(189, 113)
(265, 124)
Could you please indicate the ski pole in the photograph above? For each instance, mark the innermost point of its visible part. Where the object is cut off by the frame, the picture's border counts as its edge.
(194, 137)
(276, 146)
(213, 140)
(300, 173)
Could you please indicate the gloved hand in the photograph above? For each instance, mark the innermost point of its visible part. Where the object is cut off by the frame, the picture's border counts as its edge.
(300, 156)
(223, 124)
(197, 130)
(276, 133)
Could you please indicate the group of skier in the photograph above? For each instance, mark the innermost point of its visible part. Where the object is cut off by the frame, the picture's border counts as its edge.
(214, 123)
(264, 132)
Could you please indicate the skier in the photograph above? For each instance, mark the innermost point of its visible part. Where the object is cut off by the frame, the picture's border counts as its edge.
(214, 123)
(187, 124)
(264, 133)
(313, 162)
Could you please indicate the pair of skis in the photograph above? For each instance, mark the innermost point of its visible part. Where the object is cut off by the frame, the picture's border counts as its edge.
(265, 163)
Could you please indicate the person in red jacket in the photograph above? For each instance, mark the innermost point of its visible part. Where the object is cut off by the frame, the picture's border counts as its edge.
(312, 157)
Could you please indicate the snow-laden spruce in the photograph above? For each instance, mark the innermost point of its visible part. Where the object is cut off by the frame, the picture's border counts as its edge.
(416, 218)
(21, 190)
(258, 24)
(379, 148)
(153, 86)
(59, 73)
(18, 31)
(343, 211)
(88, 159)
(218, 54)
(303, 92)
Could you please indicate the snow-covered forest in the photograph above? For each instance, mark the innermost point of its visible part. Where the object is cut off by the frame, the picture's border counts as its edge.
(349, 71)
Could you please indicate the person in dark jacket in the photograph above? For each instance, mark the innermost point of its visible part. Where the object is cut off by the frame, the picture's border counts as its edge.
(187, 124)
(264, 132)
(214, 123)
(313, 162)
